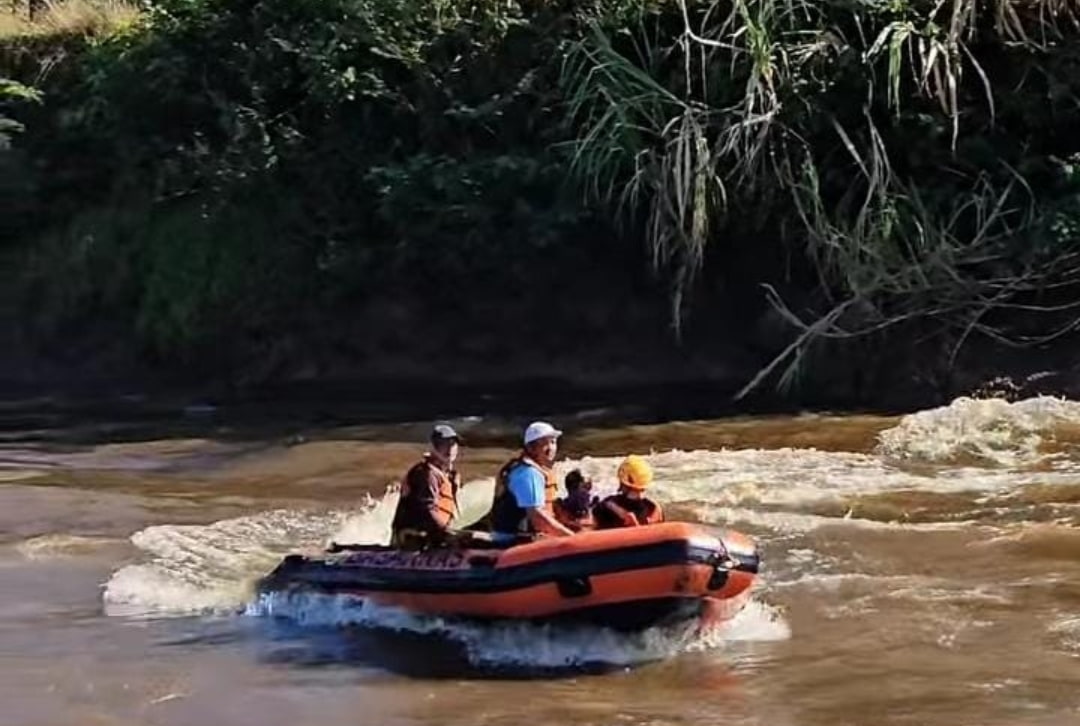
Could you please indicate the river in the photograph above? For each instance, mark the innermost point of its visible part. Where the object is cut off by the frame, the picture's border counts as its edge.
(920, 569)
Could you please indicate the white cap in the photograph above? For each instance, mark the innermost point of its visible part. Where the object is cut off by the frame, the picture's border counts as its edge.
(540, 430)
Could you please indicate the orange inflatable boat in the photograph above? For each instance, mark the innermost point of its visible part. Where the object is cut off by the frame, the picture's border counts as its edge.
(625, 579)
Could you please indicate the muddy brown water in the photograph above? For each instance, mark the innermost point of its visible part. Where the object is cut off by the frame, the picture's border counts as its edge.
(918, 570)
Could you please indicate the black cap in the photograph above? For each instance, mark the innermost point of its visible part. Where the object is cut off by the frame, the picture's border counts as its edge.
(442, 432)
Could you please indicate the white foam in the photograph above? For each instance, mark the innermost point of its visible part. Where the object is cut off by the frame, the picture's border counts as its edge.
(770, 486)
(13, 475)
(796, 523)
(758, 622)
(211, 568)
(988, 431)
(51, 546)
(524, 644)
(837, 580)
(1066, 631)
(985, 595)
(372, 524)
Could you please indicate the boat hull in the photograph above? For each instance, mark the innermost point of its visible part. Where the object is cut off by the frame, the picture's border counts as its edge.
(629, 579)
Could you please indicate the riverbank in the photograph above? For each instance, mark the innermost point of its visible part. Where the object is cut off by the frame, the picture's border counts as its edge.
(83, 404)
(398, 200)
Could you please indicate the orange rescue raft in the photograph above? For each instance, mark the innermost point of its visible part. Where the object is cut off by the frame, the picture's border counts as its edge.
(626, 579)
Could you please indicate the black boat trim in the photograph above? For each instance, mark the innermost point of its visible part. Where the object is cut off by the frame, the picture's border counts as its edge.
(630, 616)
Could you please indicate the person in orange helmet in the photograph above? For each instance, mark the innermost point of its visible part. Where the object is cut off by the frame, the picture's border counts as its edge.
(629, 507)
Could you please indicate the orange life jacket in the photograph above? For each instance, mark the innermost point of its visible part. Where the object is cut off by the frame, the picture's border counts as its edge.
(505, 514)
(574, 521)
(629, 512)
(411, 511)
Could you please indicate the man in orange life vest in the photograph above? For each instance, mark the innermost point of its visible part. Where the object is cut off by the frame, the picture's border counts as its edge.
(525, 489)
(428, 500)
(629, 507)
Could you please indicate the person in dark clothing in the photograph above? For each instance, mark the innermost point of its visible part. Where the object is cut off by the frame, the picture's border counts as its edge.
(427, 506)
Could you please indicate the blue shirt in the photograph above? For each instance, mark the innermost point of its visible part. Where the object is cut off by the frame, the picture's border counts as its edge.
(527, 485)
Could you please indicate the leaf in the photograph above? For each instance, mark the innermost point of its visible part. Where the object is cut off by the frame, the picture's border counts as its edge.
(15, 90)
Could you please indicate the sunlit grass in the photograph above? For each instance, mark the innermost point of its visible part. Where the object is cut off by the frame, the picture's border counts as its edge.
(69, 17)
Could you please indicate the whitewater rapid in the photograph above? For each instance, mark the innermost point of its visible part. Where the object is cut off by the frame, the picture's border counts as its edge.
(978, 450)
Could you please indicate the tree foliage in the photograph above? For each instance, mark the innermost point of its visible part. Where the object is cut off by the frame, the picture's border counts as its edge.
(873, 172)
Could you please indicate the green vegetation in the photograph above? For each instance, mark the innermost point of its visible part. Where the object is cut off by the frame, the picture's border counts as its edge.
(12, 92)
(875, 176)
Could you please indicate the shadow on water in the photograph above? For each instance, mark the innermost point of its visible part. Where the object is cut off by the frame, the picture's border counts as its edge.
(287, 411)
(293, 410)
(433, 656)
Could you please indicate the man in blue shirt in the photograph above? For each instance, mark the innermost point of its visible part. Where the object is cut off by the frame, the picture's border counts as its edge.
(526, 487)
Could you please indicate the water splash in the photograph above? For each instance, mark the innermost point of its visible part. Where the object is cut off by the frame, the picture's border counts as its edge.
(981, 431)
(525, 644)
(212, 568)
(55, 546)
(1065, 633)
(777, 493)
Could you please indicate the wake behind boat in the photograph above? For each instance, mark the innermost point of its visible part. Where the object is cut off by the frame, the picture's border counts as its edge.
(626, 579)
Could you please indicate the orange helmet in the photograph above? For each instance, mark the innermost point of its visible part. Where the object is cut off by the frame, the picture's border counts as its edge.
(635, 472)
